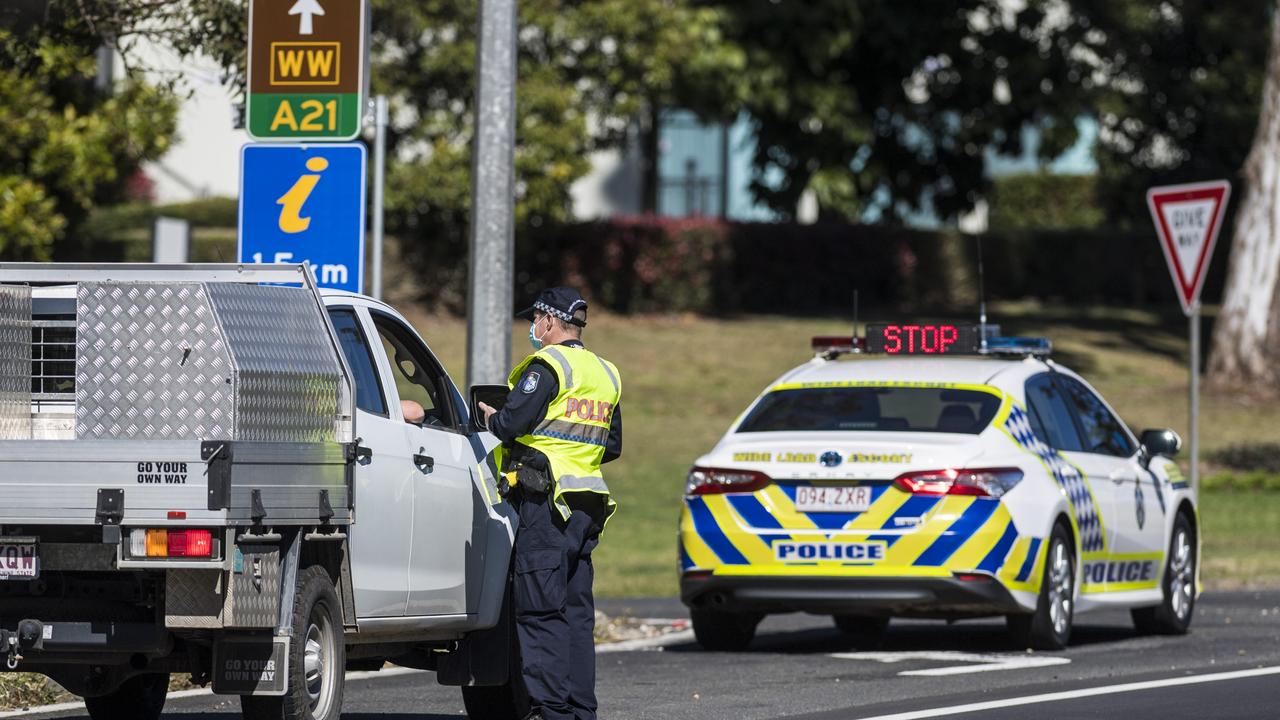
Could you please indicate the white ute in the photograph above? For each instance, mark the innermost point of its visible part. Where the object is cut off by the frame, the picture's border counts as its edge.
(211, 469)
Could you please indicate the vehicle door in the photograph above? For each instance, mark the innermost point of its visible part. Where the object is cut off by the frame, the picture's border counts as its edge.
(384, 481)
(445, 508)
(1138, 525)
(1086, 476)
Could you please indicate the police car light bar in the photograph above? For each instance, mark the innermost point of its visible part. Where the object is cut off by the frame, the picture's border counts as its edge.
(1034, 346)
(931, 339)
(830, 346)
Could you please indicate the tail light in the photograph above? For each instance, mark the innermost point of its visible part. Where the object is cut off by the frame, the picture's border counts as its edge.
(713, 481)
(984, 482)
(167, 542)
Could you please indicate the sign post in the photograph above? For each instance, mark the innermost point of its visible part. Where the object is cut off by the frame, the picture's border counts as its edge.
(1187, 219)
(306, 69)
(305, 202)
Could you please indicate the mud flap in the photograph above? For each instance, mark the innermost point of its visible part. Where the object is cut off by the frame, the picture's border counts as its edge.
(483, 657)
(251, 665)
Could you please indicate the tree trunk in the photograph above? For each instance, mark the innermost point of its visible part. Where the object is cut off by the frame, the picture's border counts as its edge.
(1246, 339)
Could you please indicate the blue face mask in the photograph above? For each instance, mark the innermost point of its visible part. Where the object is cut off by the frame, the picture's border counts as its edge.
(534, 340)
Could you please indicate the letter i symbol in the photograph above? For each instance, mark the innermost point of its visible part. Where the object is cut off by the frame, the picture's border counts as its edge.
(291, 220)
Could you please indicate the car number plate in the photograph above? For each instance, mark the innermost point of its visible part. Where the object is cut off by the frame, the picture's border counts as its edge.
(833, 499)
(19, 560)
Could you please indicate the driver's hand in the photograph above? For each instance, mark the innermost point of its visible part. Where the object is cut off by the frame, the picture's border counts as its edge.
(488, 411)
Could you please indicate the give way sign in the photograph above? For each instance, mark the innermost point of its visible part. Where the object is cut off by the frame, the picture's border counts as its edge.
(1187, 219)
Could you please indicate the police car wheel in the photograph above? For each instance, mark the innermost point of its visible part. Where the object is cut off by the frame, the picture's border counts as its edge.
(864, 632)
(1049, 627)
(722, 631)
(1173, 615)
(141, 696)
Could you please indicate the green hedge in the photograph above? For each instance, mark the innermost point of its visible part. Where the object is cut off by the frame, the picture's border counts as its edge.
(651, 264)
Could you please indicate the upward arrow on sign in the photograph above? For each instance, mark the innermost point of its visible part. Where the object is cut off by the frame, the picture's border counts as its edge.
(306, 9)
(1187, 219)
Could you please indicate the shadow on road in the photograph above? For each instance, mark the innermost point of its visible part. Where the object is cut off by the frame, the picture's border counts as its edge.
(985, 637)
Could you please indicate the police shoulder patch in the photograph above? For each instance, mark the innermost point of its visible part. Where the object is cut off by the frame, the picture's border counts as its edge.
(530, 382)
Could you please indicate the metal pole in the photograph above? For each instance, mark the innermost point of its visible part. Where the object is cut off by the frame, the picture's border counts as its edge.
(1195, 397)
(379, 180)
(489, 302)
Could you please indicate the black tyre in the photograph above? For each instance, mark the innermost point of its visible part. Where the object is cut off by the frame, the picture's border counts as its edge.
(141, 697)
(498, 702)
(864, 632)
(317, 657)
(1049, 627)
(724, 631)
(1173, 615)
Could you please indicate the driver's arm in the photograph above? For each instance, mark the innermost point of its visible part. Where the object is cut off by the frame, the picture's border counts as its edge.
(527, 403)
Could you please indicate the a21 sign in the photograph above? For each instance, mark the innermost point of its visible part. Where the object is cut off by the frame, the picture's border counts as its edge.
(306, 69)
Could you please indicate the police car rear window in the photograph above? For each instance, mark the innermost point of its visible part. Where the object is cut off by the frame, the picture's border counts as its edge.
(873, 409)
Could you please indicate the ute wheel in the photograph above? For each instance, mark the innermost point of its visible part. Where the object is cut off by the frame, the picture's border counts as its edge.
(724, 631)
(317, 657)
(141, 697)
(1049, 627)
(864, 632)
(1173, 615)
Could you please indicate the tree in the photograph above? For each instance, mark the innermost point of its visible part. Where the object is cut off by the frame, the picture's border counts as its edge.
(67, 144)
(887, 107)
(585, 70)
(1246, 338)
(1175, 88)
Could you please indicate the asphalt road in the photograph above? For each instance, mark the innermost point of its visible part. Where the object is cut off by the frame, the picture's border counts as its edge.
(1227, 667)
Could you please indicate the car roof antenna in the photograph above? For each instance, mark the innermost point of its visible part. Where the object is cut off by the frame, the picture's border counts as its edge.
(855, 316)
(982, 297)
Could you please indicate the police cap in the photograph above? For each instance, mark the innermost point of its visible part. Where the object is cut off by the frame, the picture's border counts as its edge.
(560, 302)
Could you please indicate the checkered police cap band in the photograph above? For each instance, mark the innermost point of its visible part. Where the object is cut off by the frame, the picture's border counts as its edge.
(561, 314)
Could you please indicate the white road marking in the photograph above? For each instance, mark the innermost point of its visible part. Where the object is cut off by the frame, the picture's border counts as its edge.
(986, 662)
(1076, 694)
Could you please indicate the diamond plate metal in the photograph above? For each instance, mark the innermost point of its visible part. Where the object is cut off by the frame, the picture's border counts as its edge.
(151, 363)
(203, 361)
(15, 362)
(193, 599)
(253, 590)
(287, 374)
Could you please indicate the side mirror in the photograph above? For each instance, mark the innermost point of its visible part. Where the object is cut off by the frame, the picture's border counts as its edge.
(491, 395)
(1160, 442)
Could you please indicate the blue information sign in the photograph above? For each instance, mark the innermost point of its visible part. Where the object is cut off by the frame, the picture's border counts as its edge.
(305, 202)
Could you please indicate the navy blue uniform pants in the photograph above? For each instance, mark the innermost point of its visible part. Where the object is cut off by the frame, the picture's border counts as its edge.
(554, 608)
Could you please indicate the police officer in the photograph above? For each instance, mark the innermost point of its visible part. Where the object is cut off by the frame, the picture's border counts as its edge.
(560, 423)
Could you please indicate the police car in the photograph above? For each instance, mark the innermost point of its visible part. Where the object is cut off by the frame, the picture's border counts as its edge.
(936, 471)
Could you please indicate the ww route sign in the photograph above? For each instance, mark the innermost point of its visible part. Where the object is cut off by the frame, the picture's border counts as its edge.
(306, 69)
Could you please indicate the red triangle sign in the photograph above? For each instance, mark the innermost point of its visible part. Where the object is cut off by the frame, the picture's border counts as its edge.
(1187, 219)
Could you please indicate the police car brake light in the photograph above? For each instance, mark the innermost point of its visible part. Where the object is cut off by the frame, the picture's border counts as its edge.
(982, 482)
(714, 481)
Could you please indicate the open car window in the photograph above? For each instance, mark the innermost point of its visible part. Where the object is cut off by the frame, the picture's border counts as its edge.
(873, 409)
(418, 377)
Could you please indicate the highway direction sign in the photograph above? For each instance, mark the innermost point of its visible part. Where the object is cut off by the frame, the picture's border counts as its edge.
(305, 202)
(306, 69)
(1187, 219)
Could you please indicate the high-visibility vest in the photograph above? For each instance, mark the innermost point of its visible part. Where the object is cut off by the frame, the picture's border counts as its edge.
(576, 429)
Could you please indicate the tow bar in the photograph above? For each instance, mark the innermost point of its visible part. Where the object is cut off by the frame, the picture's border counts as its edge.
(29, 636)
